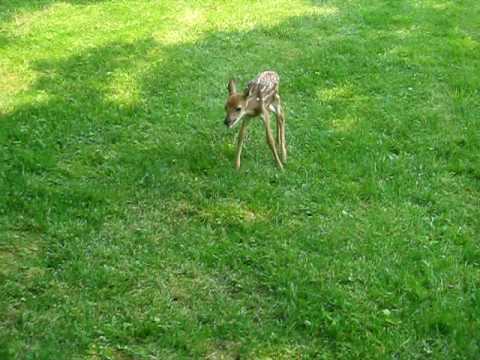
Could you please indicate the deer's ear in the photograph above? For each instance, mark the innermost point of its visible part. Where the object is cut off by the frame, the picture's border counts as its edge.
(232, 87)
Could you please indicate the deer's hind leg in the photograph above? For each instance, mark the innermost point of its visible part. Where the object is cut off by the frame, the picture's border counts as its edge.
(270, 140)
(280, 128)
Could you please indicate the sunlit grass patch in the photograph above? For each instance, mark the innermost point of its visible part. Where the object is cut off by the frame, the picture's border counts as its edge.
(226, 212)
(346, 124)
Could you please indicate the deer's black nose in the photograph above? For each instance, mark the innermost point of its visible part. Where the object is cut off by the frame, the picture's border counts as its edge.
(226, 122)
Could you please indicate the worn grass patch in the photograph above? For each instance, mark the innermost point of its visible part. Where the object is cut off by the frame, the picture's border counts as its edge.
(125, 232)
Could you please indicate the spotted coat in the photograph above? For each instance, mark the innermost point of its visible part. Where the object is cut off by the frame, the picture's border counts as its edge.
(265, 86)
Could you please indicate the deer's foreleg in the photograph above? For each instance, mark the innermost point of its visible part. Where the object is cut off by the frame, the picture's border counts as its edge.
(241, 139)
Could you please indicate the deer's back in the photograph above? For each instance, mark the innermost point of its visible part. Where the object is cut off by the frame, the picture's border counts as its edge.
(265, 84)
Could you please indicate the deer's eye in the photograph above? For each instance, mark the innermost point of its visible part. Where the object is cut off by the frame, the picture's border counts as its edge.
(238, 109)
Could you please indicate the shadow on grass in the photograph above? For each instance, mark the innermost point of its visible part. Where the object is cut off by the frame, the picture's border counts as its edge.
(172, 124)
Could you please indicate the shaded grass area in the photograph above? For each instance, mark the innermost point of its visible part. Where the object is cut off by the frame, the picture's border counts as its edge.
(126, 232)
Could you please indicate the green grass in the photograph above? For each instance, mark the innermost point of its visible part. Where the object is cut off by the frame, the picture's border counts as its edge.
(126, 233)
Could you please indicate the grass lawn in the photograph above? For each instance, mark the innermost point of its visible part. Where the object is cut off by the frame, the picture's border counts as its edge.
(126, 233)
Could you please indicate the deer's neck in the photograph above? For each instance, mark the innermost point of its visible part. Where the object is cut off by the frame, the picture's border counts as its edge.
(252, 106)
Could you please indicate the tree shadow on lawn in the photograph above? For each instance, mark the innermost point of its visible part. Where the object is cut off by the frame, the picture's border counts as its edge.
(83, 148)
(174, 122)
(179, 101)
(171, 122)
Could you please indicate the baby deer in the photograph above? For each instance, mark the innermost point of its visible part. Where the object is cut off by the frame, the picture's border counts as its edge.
(259, 98)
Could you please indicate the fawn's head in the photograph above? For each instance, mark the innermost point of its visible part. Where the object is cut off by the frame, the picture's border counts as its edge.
(236, 105)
